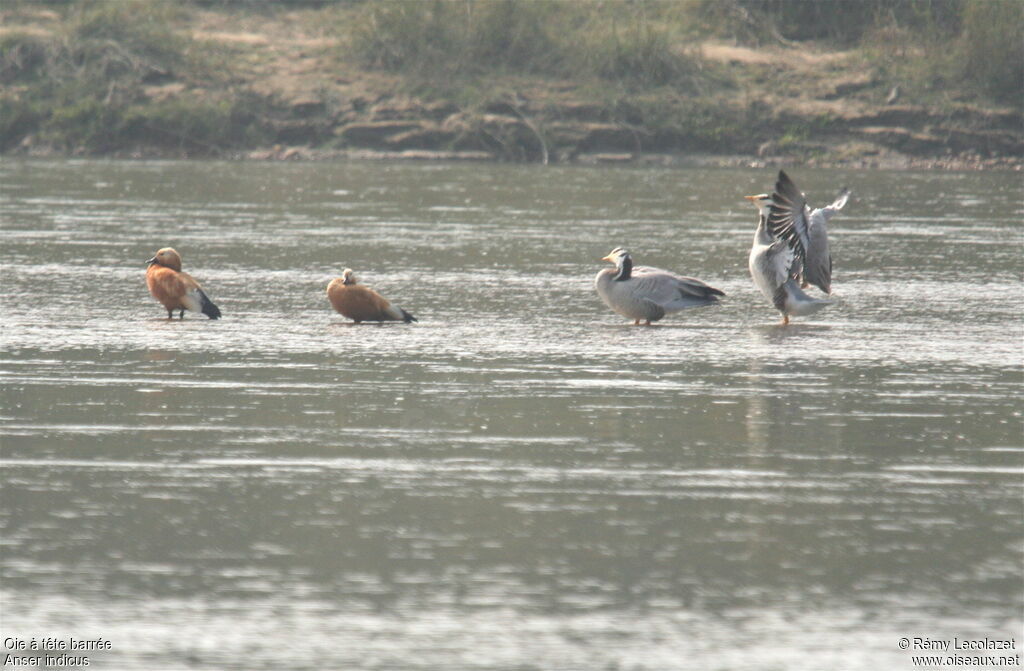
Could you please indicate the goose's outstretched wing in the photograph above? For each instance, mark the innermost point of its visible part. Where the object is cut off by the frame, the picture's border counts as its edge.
(818, 258)
(788, 218)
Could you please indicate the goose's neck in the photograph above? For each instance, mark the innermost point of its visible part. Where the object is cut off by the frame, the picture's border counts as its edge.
(761, 235)
(624, 268)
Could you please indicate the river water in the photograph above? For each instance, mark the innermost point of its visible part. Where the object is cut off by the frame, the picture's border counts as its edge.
(522, 480)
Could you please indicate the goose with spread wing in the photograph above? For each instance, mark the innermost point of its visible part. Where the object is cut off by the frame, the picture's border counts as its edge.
(775, 264)
(648, 294)
(790, 218)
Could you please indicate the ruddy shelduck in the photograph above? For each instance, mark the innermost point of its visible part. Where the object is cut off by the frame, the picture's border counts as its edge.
(361, 303)
(175, 289)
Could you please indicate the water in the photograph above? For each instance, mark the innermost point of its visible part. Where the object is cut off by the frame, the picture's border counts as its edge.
(522, 480)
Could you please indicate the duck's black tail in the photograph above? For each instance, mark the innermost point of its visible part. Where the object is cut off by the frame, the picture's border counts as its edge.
(406, 317)
(209, 309)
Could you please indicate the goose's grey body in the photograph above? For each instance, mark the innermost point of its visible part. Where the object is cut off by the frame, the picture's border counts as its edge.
(790, 218)
(772, 263)
(648, 294)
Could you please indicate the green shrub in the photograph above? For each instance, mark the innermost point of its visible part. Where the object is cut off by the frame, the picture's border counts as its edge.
(22, 56)
(83, 89)
(990, 50)
(445, 37)
(842, 22)
(137, 32)
(207, 127)
(85, 124)
(984, 56)
(18, 118)
(633, 43)
(263, 5)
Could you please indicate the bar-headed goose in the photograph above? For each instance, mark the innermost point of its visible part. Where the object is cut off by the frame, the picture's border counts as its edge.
(790, 218)
(648, 294)
(775, 265)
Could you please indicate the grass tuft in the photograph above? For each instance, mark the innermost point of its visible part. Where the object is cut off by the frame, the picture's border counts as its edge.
(626, 43)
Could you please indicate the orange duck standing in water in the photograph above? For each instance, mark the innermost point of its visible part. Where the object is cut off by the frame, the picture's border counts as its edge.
(175, 289)
(361, 303)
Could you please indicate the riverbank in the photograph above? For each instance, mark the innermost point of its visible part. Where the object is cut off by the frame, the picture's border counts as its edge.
(280, 86)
